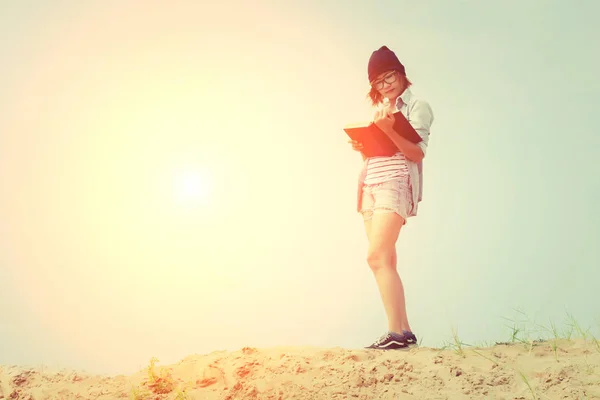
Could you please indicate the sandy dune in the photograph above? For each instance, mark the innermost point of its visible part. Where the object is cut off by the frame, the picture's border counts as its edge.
(498, 372)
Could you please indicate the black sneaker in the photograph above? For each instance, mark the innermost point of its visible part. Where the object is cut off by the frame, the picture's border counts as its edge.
(390, 341)
(410, 338)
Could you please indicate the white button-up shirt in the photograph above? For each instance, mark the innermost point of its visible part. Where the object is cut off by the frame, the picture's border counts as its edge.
(419, 114)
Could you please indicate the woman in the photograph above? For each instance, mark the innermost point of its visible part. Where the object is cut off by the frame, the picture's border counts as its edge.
(390, 188)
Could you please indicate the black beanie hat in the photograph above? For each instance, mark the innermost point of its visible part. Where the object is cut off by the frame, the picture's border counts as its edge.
(382, 60)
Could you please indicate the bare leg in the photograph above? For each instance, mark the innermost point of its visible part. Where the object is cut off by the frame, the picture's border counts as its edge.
(382, 231)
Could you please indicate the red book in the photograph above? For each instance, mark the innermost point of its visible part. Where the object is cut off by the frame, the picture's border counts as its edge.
(375, 142)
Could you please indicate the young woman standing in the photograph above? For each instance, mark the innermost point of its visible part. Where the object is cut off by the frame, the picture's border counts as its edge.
(390, 188)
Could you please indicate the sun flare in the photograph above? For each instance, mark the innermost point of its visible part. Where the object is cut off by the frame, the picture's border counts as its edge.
(192, 186)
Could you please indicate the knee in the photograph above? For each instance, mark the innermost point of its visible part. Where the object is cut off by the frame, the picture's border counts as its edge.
(378, 259)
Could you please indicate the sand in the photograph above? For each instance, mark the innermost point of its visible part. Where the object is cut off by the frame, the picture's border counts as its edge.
(497, 372)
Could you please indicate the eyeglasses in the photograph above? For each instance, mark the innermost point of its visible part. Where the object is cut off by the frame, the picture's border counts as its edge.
(389, 79)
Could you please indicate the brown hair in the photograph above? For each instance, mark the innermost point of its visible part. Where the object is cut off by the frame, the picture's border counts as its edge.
(377, 98)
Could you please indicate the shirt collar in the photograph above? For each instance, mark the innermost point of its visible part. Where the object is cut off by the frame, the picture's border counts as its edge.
(404, 98)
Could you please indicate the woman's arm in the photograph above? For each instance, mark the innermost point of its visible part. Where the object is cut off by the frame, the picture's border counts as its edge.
(410, 150)
(421, 118)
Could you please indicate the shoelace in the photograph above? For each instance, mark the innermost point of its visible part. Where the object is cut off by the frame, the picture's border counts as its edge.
(382, 339)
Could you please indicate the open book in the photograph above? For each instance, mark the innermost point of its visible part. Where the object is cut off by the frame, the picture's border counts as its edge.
(375, 142)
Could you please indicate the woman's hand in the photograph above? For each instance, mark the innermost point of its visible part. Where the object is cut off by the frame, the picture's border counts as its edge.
(356, 145)
(384, 120)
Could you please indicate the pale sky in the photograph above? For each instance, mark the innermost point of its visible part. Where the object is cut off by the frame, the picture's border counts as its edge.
(174, 179)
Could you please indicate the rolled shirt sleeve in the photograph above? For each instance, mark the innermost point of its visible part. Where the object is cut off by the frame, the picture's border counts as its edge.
(421, 118)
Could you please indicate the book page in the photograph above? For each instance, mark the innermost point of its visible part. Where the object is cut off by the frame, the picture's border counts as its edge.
(361, 124)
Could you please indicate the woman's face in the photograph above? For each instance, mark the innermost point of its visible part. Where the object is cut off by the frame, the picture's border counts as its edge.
(389, 84)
